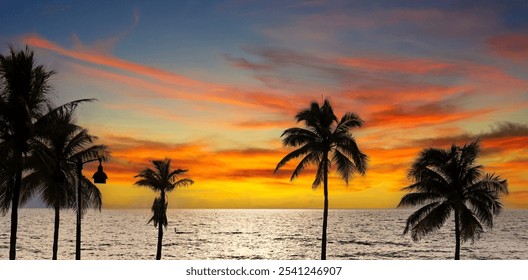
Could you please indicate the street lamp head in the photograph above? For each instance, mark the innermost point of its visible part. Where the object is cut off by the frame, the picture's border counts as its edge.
(99, 176)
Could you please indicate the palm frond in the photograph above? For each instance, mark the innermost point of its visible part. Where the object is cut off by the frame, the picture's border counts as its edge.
(470, 227)
(485, 196)
(90, 195)
(426, 158)
(431, 222)
(311, 158)
(345, 167)
(59, 112)
(182, 183)
(149, 178)
(348, 146)
(295, 137)
(159, 212)
(418, 198)
(484, 206)
(348, 121)
(295, 154)
(469, 153)
(471, 175)
(176, 172)
(418, 215)
(493, 183)
(321, 172)
(430, 180)
(92, 153)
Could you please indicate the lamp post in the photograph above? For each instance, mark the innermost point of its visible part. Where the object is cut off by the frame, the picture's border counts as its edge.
(99, 178)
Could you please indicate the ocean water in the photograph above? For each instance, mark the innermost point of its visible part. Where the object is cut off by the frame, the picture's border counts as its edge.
(256, 234)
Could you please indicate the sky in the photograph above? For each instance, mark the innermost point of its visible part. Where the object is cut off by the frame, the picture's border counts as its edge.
(213, 84)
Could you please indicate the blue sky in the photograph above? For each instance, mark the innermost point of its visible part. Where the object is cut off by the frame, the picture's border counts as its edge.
(213, 84)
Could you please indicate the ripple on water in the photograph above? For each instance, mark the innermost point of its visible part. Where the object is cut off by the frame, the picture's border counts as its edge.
(257, 234)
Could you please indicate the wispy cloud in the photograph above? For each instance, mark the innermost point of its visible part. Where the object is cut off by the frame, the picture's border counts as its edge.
(92, 56)
(502, 130)
(432, 113)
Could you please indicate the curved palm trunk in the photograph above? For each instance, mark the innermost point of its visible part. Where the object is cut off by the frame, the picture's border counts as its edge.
(457, 235)
(56, 232)
(14, 215)
(325, 211)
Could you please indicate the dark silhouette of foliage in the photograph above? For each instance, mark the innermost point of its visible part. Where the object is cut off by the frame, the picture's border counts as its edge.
(161, 179)
(449, 181)
(54, 173)
(25, 112)
(324, 140)
(24, 95)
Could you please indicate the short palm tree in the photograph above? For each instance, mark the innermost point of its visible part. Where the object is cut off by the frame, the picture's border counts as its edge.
(54, 173)
(163, 180)
(449, 181)
(323, 138)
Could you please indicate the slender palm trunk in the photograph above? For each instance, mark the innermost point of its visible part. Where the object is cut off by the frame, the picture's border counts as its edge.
(79, 207)
(14, 214)
(457, 235)
(325, 211)
(160, 227)
(160, 238)
(56, 232)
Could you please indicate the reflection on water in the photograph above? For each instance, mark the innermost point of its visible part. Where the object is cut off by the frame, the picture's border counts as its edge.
(256, 234)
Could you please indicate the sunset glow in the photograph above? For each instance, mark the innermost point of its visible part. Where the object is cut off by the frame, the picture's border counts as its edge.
(213, 86)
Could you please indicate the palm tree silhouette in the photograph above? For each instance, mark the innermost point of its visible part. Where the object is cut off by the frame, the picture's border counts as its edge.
(324, 136)
(24, 93)
(54, 176)
(161, 179)
(24, 98)
(449, 181)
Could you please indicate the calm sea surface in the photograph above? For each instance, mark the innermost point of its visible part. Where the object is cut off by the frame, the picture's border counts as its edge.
(256, 234)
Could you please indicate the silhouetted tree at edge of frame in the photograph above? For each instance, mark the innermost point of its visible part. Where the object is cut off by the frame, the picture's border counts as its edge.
(449, 181)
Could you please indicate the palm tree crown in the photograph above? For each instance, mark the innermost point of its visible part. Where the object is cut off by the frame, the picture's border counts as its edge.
(449, 181)
(324, 136)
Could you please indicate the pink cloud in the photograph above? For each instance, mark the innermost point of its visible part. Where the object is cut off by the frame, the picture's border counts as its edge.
(513, 45)
(114, 62)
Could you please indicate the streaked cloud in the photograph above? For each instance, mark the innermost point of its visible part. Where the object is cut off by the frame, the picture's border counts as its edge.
(215, 88)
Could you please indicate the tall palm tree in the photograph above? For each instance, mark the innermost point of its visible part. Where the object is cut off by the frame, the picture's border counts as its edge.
(24, 96)
(163, 180)
(54, 175)
(449, 181)
(323, 138)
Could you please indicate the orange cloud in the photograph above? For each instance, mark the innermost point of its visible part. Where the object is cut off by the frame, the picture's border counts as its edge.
(158, 90)
(397, 116)
(266, 124)
(401, 65)
(110, 61)
(172, 86)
